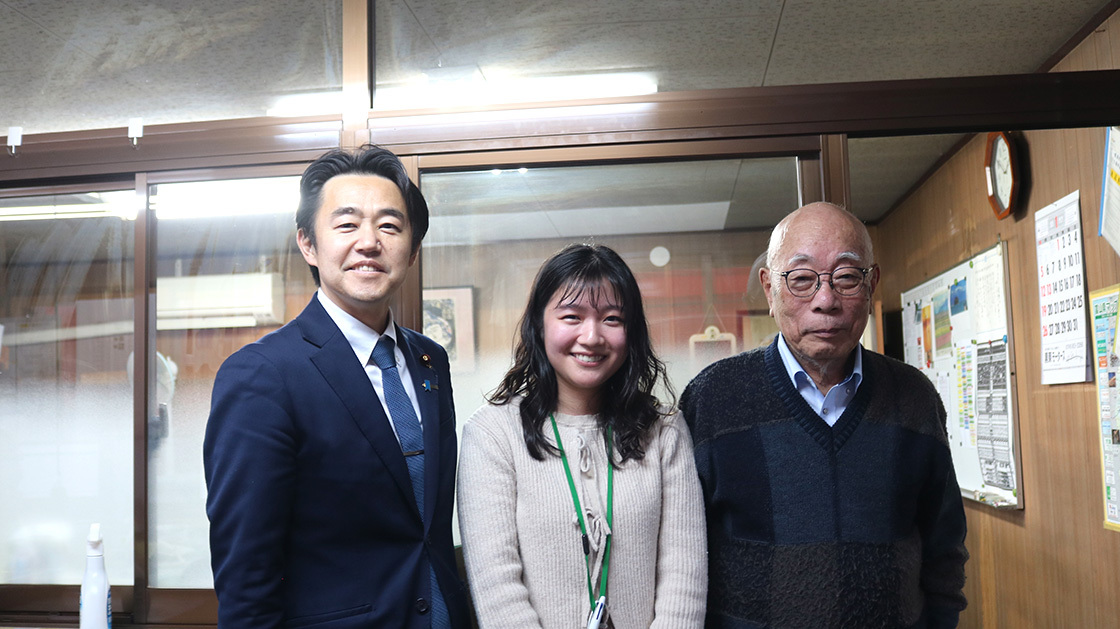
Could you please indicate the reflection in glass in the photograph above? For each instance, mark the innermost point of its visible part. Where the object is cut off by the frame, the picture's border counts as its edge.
(228, 272)
(448, 54)
(692, 232)
(463, 54)
(882, 170)
(66, 340)
(118, 203)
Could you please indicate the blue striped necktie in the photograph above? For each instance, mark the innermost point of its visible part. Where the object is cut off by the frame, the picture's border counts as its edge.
(411, 436)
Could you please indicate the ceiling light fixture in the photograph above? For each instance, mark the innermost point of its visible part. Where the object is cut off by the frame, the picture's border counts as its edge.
(478, 90)
(232, 197)
(308, 104)
(118, 204)
(171, 201)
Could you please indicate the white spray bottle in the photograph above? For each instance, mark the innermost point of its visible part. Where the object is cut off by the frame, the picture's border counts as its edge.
(96, 604)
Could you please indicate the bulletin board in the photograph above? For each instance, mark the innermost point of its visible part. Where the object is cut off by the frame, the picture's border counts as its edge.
(1105, 305)
(957, 330)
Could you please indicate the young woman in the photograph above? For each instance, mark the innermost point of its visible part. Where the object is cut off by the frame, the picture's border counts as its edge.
(578, 493)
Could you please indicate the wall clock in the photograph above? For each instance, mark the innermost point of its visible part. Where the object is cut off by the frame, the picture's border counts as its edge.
(1002, 173)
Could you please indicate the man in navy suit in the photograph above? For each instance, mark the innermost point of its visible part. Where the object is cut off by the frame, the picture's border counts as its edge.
(330, 448)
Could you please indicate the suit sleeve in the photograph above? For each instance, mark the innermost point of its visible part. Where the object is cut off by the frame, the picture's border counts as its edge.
(682, 551)
(487, 523)
(941, 521)
(249, 459)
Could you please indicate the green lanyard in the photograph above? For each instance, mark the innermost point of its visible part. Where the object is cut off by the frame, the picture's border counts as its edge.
(579, 514)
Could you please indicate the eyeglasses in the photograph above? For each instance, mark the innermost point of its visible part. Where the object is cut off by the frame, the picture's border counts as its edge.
(846, 281)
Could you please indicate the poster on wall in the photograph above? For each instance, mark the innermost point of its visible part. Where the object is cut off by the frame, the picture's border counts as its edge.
(1105, 304)
(957, 331)
(449, 321)
(1109, 219)
(1061, 292)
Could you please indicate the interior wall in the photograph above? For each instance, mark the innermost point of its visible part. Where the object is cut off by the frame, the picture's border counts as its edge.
(1052, 564)
(708, 283)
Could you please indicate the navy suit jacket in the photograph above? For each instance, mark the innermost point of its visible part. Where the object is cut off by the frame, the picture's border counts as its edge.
(313, 522)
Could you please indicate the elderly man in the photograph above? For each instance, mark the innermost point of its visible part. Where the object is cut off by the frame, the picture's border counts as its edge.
(830, 494)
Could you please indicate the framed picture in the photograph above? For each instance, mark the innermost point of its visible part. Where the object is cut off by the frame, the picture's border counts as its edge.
(449, 321)
(709, 346)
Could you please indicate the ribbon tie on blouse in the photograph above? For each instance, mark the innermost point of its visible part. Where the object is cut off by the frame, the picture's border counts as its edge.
(593, 513)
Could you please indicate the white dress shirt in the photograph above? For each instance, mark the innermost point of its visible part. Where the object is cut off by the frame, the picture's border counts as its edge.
(362, 338)
(829, 406)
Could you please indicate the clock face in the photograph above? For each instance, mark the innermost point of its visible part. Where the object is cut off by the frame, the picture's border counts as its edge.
(1002, 177)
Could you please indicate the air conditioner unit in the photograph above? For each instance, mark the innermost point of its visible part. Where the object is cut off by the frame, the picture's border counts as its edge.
(219, 301)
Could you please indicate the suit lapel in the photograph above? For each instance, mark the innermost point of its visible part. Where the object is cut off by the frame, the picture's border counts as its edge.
(347, 378)
(426, 382)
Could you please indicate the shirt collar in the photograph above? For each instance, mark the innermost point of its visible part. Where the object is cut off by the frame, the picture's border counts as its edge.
(361, 337)
(801, 378)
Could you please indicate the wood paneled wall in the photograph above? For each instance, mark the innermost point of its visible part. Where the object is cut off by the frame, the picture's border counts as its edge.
(1052, 564)
(707, 283)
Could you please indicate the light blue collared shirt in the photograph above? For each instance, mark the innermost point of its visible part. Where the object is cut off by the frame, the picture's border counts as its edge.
(829, 406)
(362, 338)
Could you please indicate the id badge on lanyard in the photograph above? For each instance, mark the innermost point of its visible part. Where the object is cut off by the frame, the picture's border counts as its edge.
(599, 612)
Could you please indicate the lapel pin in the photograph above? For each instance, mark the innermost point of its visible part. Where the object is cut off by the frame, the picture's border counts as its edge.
(428, 386)
(426, 360)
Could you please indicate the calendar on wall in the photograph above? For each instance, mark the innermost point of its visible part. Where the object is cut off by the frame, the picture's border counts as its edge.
(1061, 292)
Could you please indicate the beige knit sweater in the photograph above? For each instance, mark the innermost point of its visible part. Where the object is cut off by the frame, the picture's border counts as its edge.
(521, 538)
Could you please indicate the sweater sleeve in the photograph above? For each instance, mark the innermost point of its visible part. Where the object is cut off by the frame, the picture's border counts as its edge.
(682, 551)
(488, 526)
(941, 521)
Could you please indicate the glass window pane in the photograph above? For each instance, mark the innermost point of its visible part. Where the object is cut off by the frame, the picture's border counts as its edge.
(66, 420)
(228, 272)
(690, 231)
(440, 54)
(85, 65)
(883, 170)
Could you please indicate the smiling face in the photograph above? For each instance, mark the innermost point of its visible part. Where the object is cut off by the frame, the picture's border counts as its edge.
(585, 341)
(362, 245)
(821, 331)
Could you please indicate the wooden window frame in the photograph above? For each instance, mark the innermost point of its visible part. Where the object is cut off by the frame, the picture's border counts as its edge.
(716, 123)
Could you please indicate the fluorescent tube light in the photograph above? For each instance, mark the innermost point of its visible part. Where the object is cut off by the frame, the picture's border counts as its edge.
(309, 104)
(232, 197)
(476, 90)
(121, 204)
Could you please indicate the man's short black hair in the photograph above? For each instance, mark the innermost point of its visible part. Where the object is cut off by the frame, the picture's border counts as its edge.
(367, 160)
